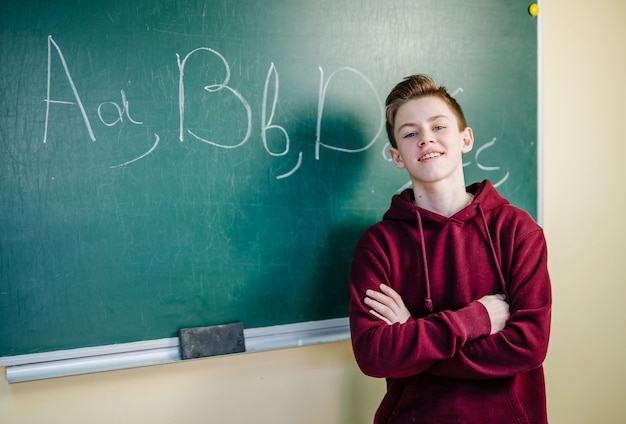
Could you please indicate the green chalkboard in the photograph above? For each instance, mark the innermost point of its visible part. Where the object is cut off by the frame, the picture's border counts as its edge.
(168, 164)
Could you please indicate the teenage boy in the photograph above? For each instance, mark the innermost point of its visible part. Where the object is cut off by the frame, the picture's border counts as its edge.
(450, 293)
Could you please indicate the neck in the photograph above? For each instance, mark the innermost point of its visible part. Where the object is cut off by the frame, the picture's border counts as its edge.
(443, 202)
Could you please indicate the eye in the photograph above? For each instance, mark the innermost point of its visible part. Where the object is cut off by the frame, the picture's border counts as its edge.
(439, 127)
(409, 135)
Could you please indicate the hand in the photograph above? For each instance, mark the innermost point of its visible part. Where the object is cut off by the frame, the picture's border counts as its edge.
(498, 310)
(387, 305)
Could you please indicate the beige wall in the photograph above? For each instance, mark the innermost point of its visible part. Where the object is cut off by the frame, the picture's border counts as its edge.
(585, 214)
(311, 385)
(585, 151)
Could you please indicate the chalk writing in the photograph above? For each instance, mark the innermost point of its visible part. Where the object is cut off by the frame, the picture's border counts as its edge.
(268, 122)
(117, 113)
(156, 143)
(323, 90)
(489, 168)
(48, 100)
(211, 89)
(121, 111)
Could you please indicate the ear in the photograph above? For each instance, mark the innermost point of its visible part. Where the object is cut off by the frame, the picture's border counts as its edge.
(467, 136)
(396, 158)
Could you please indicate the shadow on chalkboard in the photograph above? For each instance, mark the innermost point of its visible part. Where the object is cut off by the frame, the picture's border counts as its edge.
(326, 222)
(335, 260)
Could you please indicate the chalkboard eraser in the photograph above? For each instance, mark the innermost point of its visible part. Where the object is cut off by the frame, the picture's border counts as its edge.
(200, 342)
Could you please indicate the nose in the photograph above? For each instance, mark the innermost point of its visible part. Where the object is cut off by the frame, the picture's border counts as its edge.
(426, 138)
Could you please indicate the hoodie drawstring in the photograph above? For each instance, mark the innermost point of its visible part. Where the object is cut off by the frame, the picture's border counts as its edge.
(428, 303)
(493, 253)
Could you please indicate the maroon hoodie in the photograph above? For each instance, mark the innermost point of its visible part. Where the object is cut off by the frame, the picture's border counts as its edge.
(442, 366)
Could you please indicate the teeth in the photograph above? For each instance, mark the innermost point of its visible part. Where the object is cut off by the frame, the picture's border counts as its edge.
(430, 156)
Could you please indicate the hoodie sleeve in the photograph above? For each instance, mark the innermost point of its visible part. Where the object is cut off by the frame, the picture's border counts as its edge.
(403, 350)
(522, 345)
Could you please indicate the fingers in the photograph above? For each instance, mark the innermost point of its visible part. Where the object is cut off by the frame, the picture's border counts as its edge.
(381, 304)
(379, 316)
(387, 305)
(383, 301)
(391, 293)
(385, 296)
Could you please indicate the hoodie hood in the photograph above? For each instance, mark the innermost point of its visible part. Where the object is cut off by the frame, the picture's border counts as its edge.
(403, 207)
(486, 199)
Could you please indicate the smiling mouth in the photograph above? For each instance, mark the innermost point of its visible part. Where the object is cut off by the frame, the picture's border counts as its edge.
(430, 156)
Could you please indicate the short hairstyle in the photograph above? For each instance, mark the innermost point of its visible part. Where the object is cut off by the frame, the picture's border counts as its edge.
(415, 87)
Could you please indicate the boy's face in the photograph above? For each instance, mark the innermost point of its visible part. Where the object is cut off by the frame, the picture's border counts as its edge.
(430, 145)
